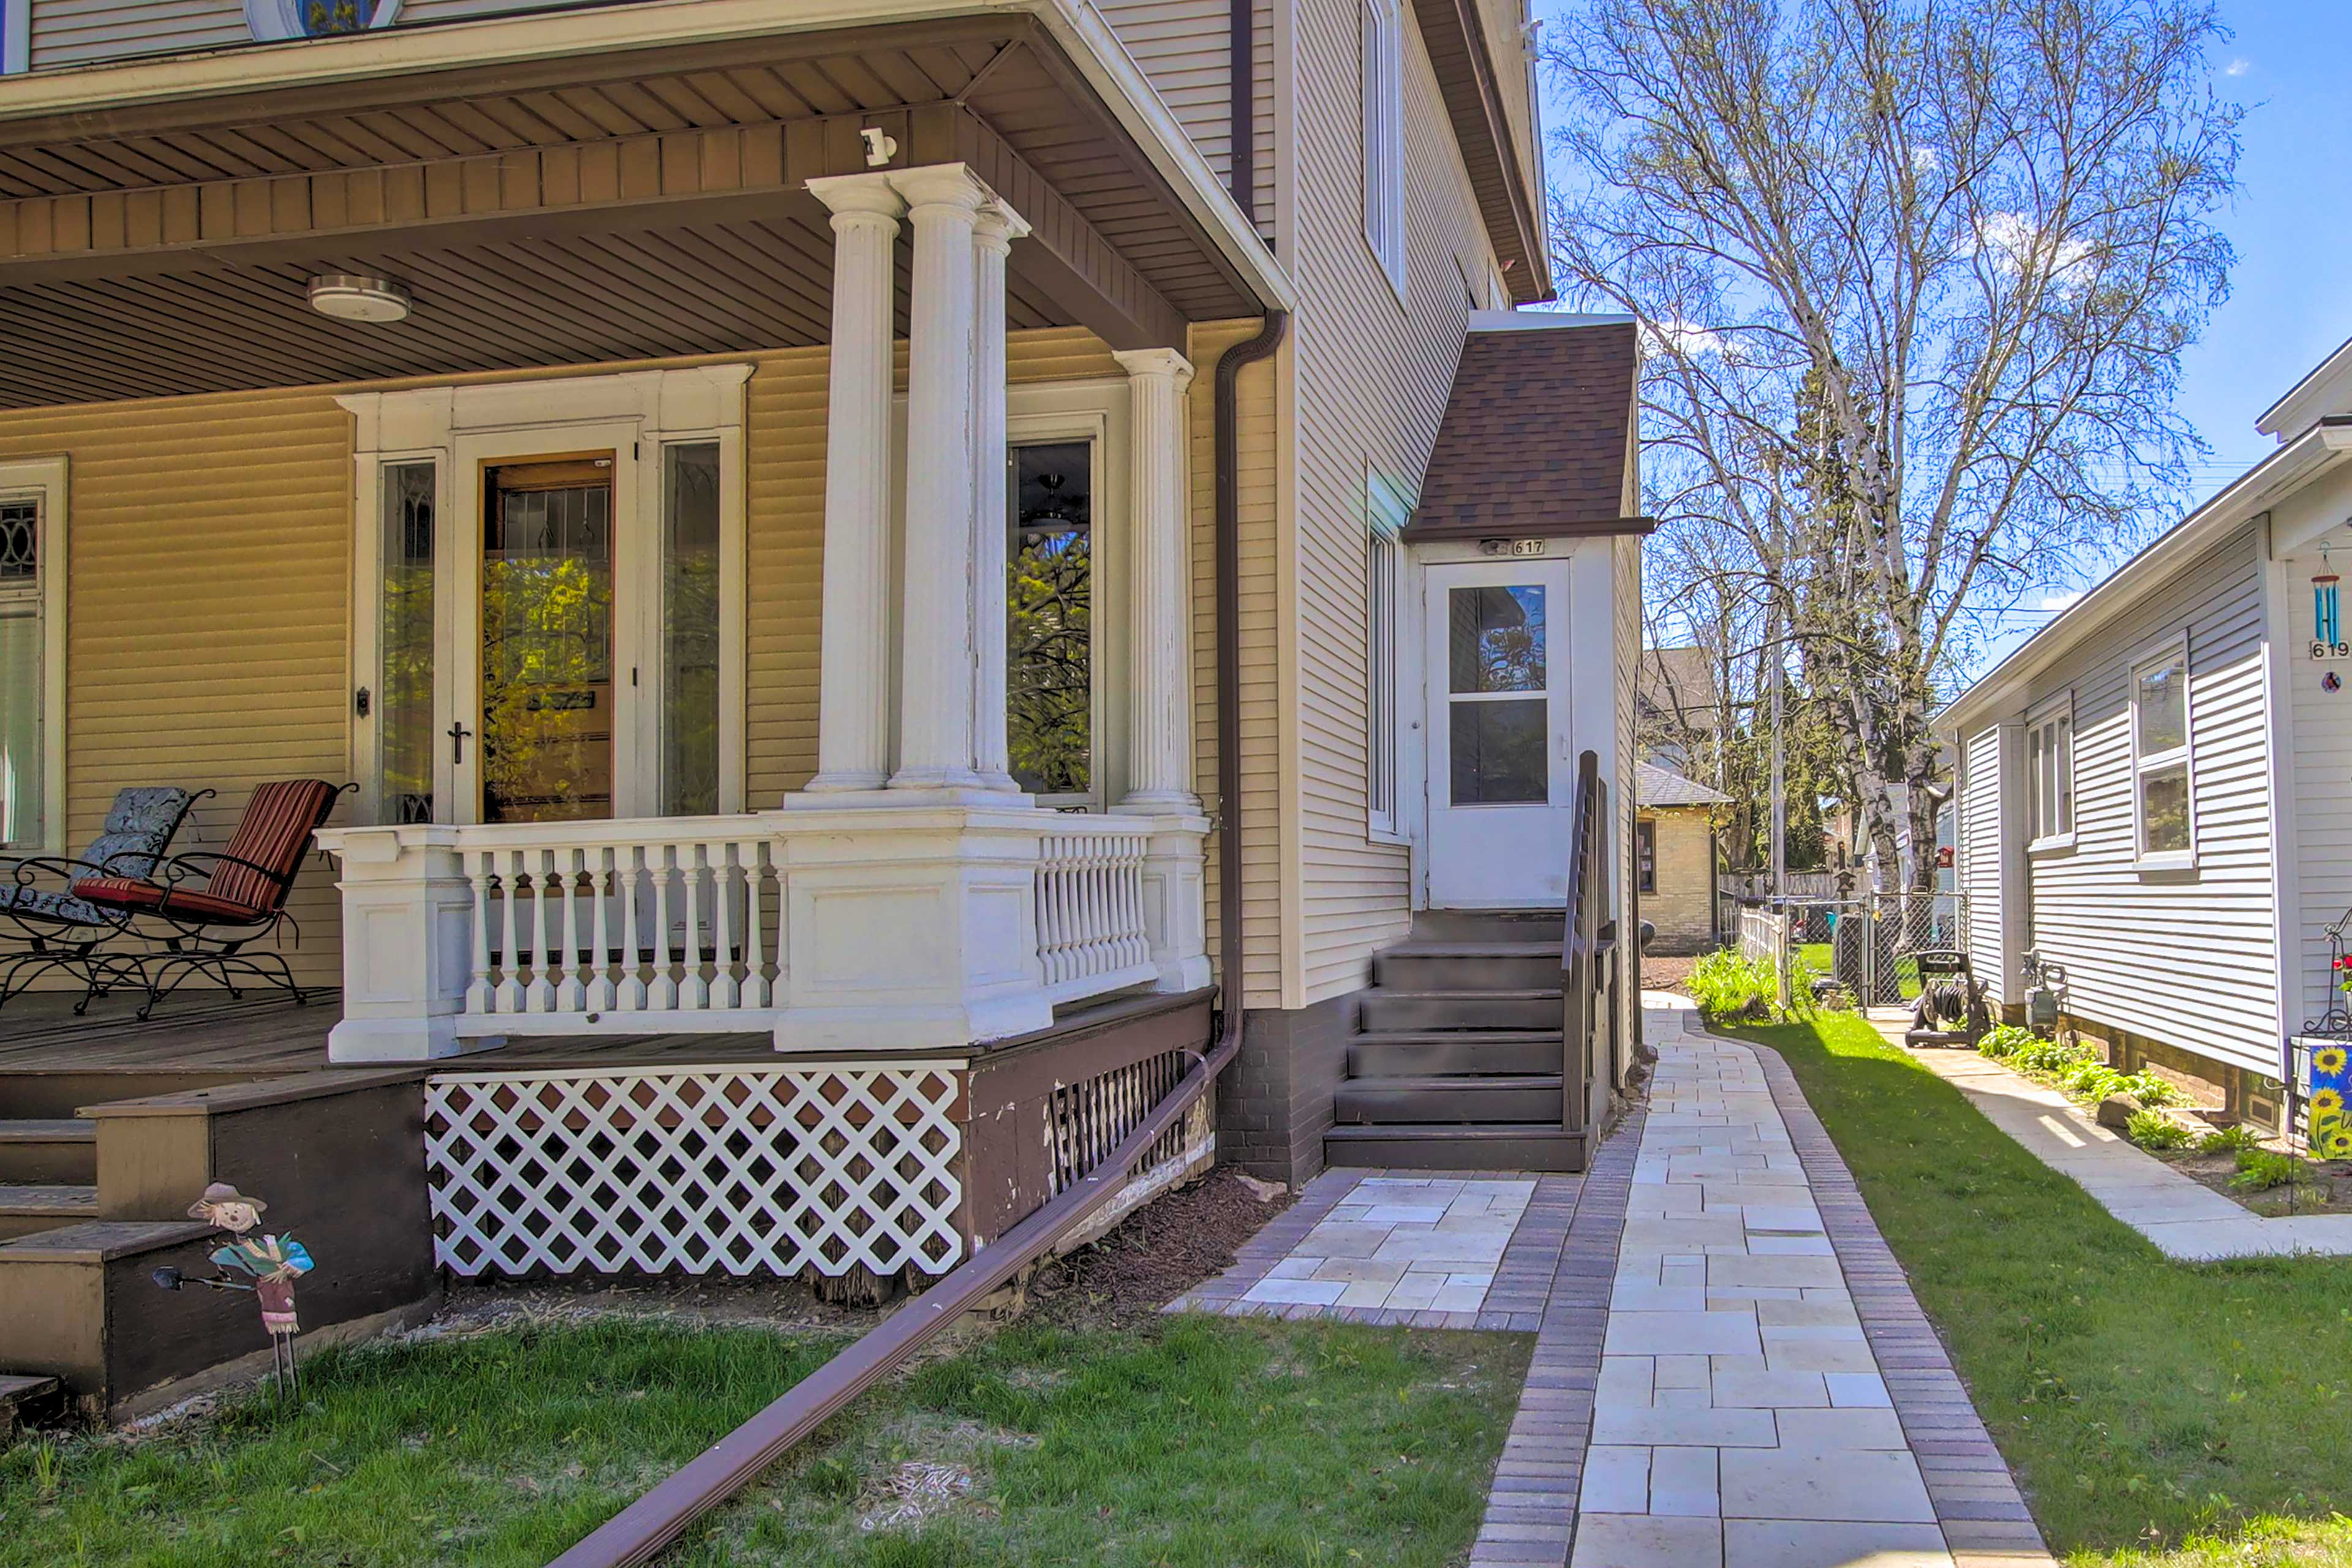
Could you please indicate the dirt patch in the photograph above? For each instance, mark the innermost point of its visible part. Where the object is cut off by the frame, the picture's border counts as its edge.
(1156, 1254)
(1666, 974)
(2317, 1189)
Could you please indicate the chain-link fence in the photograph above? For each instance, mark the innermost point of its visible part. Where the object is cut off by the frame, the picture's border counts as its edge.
(1866, 946)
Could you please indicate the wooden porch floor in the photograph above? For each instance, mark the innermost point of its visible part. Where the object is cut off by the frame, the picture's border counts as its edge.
(258, 1037)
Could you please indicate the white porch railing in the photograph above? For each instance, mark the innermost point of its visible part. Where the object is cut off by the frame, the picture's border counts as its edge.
(829, 928)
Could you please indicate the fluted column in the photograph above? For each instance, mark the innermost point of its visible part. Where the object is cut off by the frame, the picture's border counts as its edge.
(993, 235)
(937, 663)
(854, 691)
(1160, 750)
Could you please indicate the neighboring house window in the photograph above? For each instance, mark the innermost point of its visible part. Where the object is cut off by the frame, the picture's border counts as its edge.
(1645, 854)
(16, 36)
(1383, 92)
(32, 653)
(1384, 517)
(2164, 805)
(2050, 775)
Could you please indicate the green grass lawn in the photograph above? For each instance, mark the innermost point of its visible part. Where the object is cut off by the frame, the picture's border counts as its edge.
(2155, 1412)
(1191, 1441)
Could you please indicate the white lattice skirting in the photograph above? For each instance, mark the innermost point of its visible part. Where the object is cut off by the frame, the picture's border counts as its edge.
(737, 1170)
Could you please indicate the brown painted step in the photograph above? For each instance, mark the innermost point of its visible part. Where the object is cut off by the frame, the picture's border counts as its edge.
(1407, 1053)
(1451, 1098)
(1384, 1010)
(1488, 925)
(30, 1209)
(50, 1150)
(24, 1399)
(1495, 1147)
(1467, 967)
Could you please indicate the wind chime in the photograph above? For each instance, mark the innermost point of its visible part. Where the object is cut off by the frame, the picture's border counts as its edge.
(2326, 622)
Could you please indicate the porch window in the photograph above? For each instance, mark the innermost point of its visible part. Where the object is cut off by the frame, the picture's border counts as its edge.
(1049, 635)
(2162, 790)
(1498, 710)
(1383, 572)
(1645, 854)
(547, 641)
(405, 691)
(690, 695)
(32, 653)
(2050, 775)
(1383, 95)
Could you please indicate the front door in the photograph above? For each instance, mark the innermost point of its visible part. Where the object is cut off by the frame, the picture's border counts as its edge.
(1502, 775)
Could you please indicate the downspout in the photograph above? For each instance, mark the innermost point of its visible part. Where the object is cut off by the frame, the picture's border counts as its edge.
(1242, 131)
(641, 1530)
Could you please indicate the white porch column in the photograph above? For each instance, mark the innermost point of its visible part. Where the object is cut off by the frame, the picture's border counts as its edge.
(998, 227)
(1160, 764)
(854, 692)
(938, 664)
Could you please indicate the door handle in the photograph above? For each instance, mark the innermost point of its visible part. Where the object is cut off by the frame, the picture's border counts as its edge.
(458, 733)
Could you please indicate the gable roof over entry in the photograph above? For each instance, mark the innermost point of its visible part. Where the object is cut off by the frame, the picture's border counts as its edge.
(1538, 435)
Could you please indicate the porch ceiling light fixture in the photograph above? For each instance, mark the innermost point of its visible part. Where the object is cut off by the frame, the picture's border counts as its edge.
(359, 297)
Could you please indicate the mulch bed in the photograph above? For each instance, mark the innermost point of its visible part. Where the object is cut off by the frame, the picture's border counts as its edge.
(1665, 974)
(2321, 1189)
(1156, 1254)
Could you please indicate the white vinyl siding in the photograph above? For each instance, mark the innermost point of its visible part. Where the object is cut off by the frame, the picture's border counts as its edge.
(1185, 47)
(1982, 854)
(78, 32)
(2185, 954)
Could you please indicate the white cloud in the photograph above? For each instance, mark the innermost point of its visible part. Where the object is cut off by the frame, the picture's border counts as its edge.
(1684, 341)
(1926, 160)
(2238, 67)
(2018, 243)
(2057, 602)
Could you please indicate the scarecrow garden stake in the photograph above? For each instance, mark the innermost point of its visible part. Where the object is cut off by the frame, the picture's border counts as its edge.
(272, 1264)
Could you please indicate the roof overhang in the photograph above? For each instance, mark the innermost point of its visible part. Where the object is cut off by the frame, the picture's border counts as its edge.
(1994, 695)
(1463, 59)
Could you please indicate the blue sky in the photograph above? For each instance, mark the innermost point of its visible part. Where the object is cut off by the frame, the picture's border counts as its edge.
(2291, 291)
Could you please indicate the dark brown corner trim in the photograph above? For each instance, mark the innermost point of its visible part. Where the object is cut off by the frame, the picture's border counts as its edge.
(1458, 49)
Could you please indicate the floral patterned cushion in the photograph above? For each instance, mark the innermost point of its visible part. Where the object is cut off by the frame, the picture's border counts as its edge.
(138, 830)
(49, 904)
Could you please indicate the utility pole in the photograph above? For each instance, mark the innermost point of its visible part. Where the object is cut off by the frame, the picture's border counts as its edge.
(1779, 781)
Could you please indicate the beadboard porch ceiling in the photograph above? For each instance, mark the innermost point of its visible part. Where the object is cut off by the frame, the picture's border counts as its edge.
(559, 211)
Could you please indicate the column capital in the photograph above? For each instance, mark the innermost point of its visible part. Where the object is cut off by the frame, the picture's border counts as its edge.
(942, 184)
(872, 195)
(1140, 362)
(999, 226)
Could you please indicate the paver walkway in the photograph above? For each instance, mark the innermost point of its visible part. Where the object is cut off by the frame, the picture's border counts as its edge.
(2189, 1222)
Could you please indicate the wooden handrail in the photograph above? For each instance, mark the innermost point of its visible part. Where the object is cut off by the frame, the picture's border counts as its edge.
(1585, 940)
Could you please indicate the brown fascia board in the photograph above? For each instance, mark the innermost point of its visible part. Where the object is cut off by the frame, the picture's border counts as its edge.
(1457, 39)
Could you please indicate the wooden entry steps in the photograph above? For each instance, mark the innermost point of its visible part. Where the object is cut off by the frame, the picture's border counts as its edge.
(1457, 1063)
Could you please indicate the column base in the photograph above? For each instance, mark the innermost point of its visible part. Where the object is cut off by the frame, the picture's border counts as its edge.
(358, 1040)
(844, 783)
(1158, 803)
(908, 798)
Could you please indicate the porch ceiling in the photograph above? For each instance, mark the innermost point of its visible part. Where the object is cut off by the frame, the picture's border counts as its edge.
(558, 210)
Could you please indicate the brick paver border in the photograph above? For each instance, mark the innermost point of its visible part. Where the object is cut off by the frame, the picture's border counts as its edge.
(1984, 1516)
(1531, 1510)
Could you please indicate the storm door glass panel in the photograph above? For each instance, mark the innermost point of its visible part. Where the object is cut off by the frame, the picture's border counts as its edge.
(1049, 632)
(547, 642)
(21, 770)
(1496, 649)
(689, 720)
(404, 684)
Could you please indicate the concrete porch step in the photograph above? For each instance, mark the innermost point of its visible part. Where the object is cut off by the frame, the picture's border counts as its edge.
(1452, 1100)
(1467, 967)
(48, 1150)
(1518, 1008)
(1408, 1053)
(29, 1209)
(1527, 1147)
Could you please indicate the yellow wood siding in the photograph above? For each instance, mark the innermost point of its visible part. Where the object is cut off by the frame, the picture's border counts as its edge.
(1372, 380)
(77, 31)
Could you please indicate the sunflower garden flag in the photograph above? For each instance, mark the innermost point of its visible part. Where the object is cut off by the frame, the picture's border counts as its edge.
(2331, 1080)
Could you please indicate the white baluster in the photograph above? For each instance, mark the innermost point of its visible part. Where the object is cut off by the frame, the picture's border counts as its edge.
(693, 990)
(572, 990)
(478, 872)
(632, 991)
(510, 992)
(723, 987)
(664, 994)
(539, 997)
(756, 990)
(600, 962)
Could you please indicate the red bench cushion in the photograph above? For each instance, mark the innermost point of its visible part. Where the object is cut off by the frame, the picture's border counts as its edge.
(126, 893)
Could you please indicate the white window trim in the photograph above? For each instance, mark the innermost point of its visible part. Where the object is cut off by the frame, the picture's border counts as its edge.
(1380, 25)
(16, 36)
(2174, 649)
(638, 413)
(2060, 707)
(1386, 510)
(45, 477)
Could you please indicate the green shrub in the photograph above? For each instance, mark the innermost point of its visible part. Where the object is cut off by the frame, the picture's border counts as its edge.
(1726, 986)
(2153, 1092)
(2005, 1040)
(2229, 1140)
(2153, 1129)
(2056, 1057)
(2093, 1080)
(2258, 1169)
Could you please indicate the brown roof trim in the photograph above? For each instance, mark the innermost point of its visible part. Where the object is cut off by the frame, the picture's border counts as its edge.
(1521, 526)
(1456, 40)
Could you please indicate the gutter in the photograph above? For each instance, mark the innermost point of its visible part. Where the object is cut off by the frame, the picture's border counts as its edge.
(87, 94)
(639, 1532)
(1241, 77)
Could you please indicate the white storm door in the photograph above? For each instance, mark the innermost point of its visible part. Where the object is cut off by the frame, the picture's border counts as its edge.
(1502, 775)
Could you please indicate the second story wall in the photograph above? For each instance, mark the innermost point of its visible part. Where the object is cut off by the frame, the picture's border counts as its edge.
(1185, 47)
(78, 32)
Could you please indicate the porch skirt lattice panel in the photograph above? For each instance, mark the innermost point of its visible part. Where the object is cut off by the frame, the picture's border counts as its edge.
(735, 1170)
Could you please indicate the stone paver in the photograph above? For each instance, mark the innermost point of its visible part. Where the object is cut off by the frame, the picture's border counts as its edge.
(2188, 1221)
